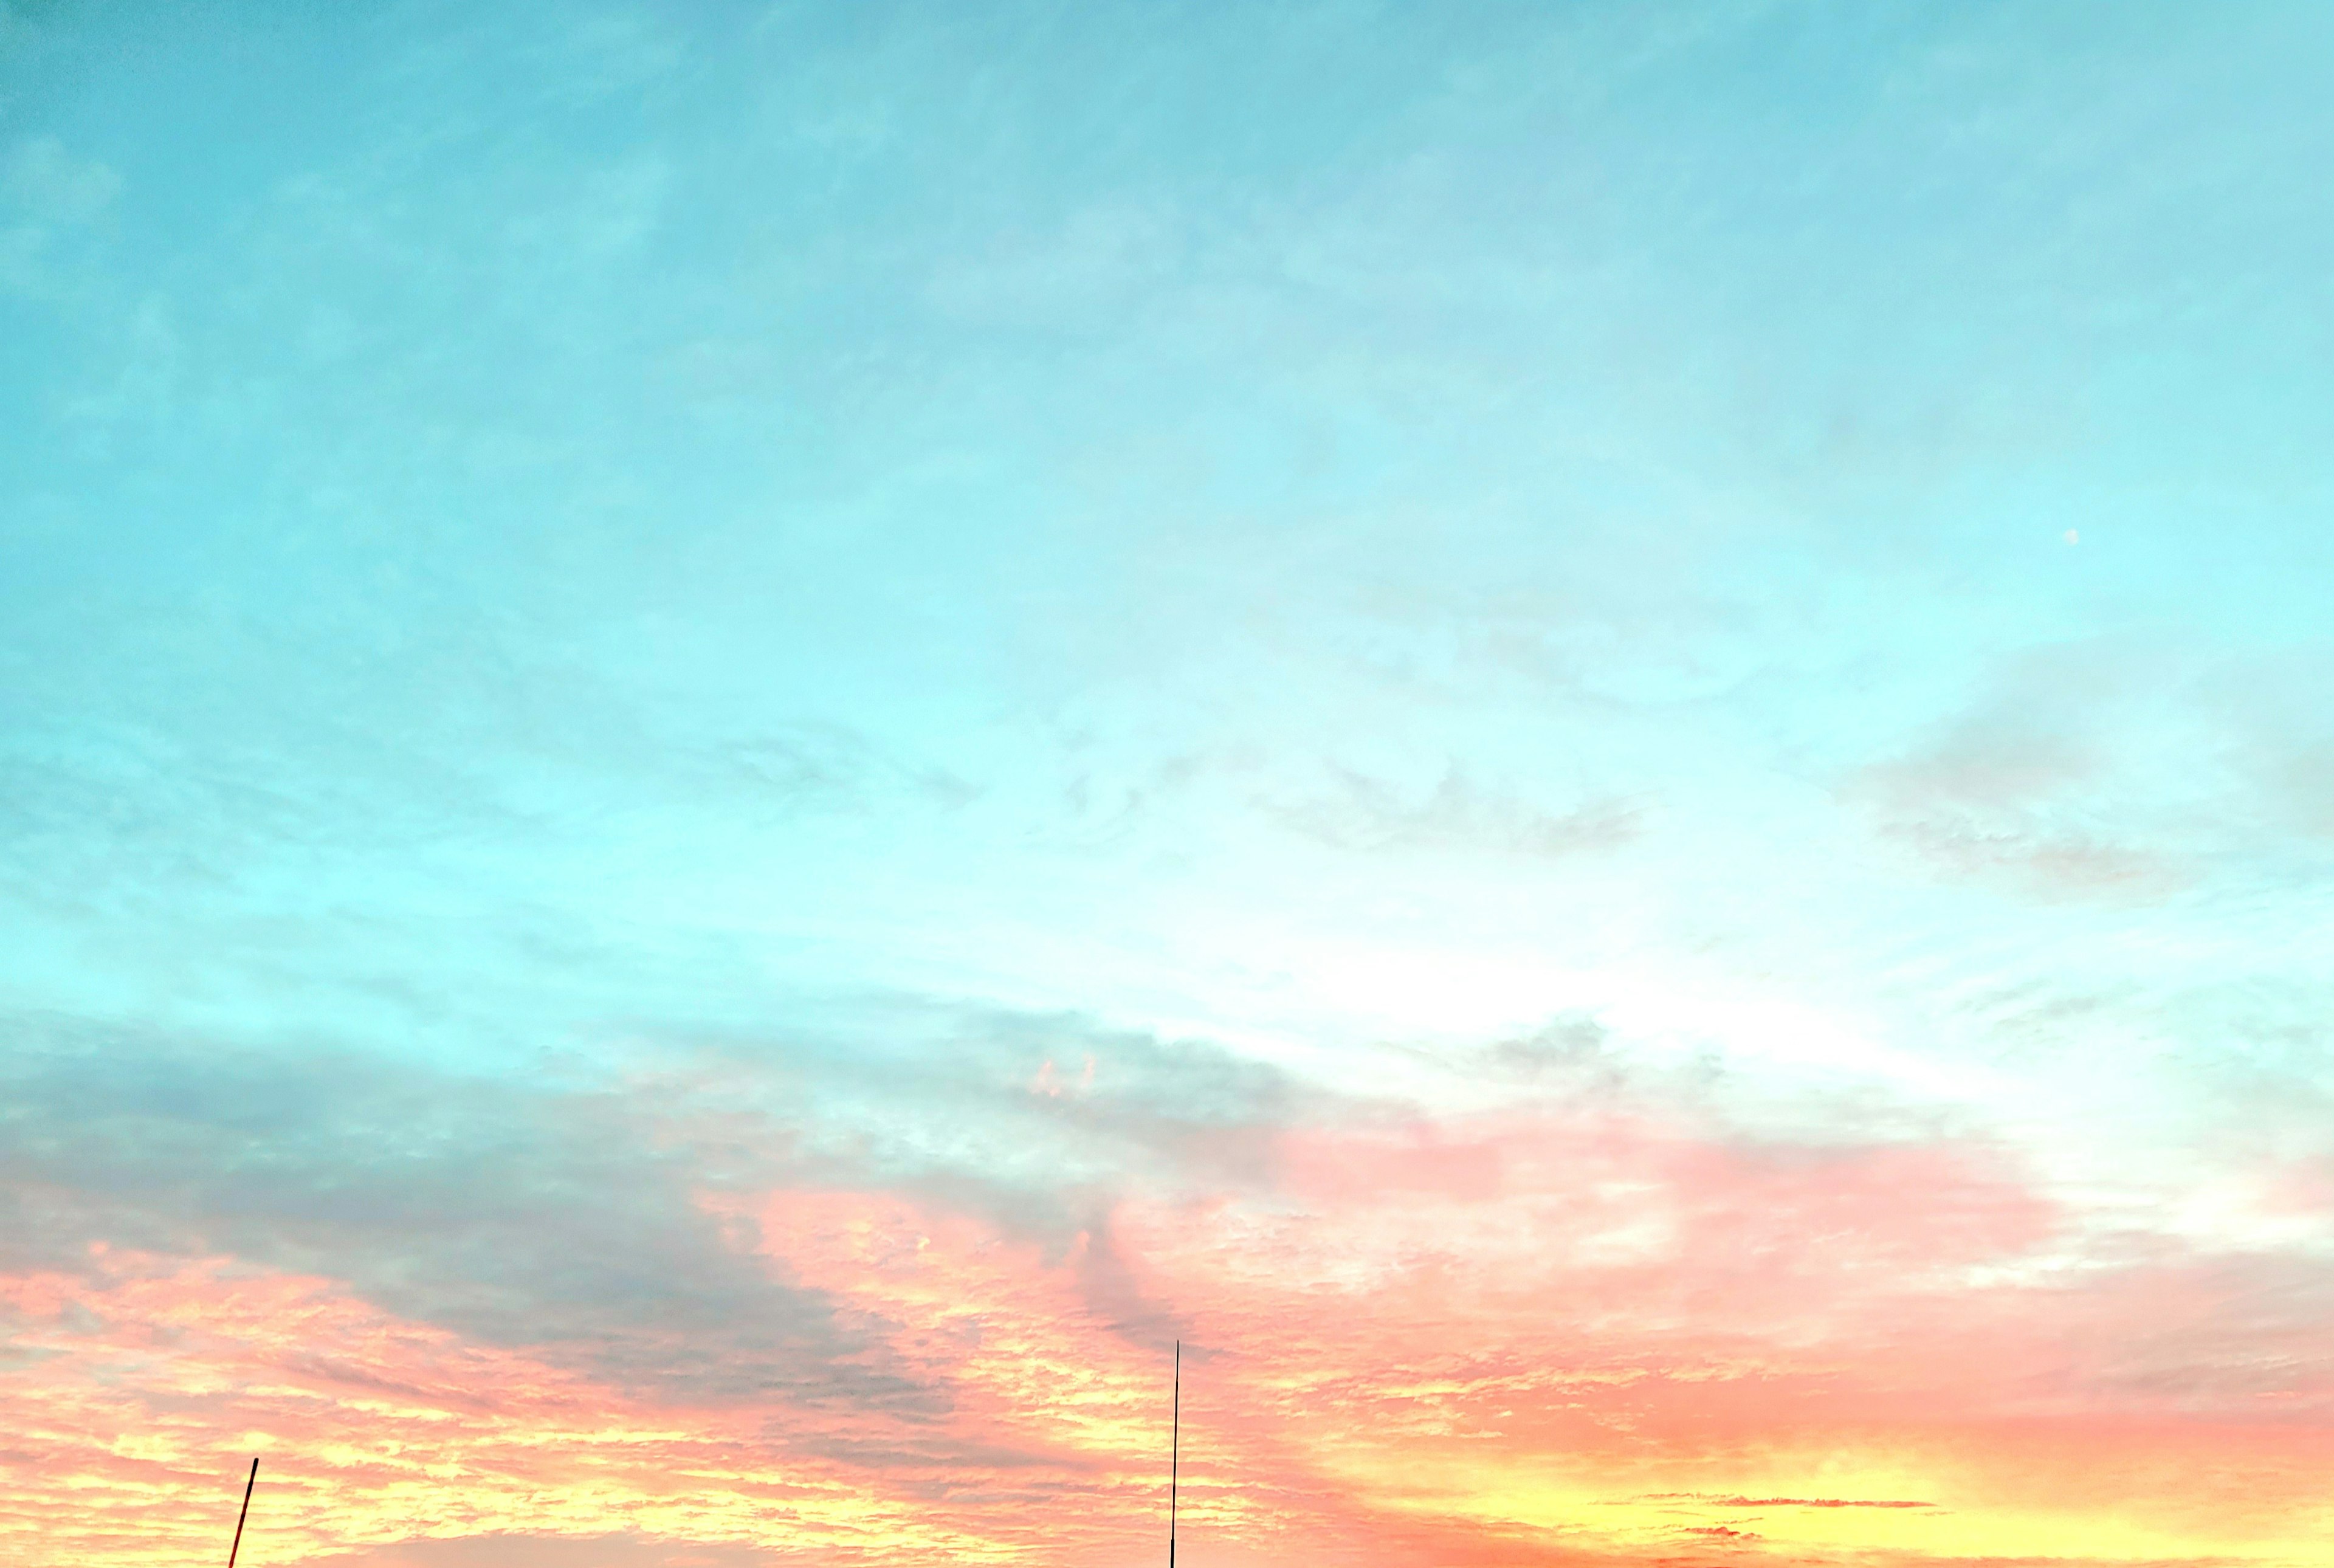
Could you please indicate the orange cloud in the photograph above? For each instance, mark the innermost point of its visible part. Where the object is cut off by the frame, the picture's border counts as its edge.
(1514, 1340)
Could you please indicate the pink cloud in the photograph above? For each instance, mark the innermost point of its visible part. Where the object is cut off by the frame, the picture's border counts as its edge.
(1513, 1339)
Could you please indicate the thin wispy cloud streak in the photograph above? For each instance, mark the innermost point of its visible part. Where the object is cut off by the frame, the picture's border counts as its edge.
(737, 749)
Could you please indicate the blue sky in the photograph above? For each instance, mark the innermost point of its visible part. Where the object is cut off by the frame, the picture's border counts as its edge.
(749, 485)
(812, 560)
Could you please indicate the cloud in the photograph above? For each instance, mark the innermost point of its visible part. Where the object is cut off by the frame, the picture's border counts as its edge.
(1369, 813)
(829, 766)
(574, 1216)
(892, 1346)
(1784, 1502)
(46, 193)
(537, 1551)
(152, 1377)
(50, 184)
(517, 1216)
(2036, 788)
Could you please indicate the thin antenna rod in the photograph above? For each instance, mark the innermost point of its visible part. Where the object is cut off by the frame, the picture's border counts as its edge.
(1174, 1455)
(239, 1518)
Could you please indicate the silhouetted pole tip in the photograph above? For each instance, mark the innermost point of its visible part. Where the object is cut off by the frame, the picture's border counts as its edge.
(1174, 1453)
(249, 1482)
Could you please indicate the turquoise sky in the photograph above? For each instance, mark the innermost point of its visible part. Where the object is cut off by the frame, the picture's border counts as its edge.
(815, 560)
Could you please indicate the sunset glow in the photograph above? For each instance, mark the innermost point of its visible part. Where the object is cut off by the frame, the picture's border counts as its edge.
(743, 747)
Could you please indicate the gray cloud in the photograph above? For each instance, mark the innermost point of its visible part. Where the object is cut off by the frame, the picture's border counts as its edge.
(1033, 1119)
(567, 1216)
(517, 1217)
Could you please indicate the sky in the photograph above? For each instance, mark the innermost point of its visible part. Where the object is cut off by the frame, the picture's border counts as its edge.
(740, 745)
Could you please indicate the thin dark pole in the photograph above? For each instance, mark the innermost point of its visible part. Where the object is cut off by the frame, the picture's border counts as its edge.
(239, 1518)
(1174, 1455)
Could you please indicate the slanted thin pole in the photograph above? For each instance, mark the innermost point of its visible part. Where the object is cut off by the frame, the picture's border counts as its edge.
(1174, 1455)
(239, 1518)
